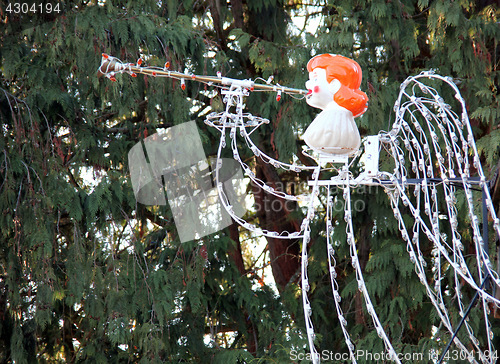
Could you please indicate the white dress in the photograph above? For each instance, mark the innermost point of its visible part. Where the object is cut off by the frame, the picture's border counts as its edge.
(333, 131)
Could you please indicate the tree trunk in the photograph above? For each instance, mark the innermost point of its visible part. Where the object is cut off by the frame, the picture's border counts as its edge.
(274, 215)
(236, 256)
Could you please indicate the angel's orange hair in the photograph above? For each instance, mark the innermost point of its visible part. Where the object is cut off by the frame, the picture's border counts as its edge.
(348, 72)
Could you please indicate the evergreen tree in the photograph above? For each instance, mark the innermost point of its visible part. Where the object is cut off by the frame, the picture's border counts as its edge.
(89, 274)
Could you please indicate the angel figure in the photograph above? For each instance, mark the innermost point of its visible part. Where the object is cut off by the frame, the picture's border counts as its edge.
(333, 86)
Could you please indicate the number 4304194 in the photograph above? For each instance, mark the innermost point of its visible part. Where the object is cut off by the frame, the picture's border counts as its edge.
(25, 8)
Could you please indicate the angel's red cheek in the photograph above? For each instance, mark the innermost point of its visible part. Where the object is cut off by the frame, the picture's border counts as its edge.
(316, 89)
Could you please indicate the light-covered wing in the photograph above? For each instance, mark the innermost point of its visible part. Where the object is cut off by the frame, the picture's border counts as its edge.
(437, 179)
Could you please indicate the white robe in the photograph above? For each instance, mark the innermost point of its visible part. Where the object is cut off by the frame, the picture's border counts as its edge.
(333, 131)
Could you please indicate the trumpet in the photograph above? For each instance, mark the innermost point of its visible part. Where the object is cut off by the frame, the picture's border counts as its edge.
(110, 66)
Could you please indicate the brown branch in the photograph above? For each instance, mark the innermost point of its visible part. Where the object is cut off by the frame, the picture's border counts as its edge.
(235, 252)
(73, 180)
(237, 10)
(223, 329)
(141, 127)
(303, 158)
(215, 11)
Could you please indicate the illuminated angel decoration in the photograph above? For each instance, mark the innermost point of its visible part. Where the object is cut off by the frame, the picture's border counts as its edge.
(431, 146)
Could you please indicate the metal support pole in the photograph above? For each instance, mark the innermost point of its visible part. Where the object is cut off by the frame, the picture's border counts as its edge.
(486, 246)
(486, 278)
(463, 319)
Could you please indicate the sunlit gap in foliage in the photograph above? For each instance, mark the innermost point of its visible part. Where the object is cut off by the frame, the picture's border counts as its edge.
(306, 19)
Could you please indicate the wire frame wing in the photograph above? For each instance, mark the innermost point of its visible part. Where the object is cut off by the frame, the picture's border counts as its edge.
(438, 180)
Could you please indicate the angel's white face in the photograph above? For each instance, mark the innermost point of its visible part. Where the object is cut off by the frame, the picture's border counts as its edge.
(319, 91)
